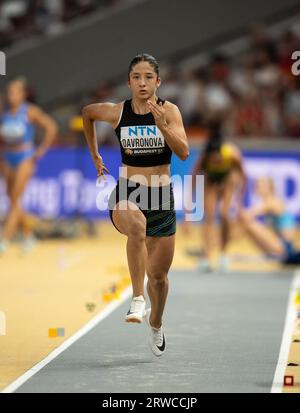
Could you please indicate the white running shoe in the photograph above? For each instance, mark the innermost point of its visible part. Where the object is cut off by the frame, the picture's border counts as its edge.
(137, 310)
(28, 244)
(204, 265)
(224, 263)
(157, 341)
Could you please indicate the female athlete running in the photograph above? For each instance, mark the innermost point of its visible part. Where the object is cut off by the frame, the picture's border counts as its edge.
(142, 204)
(17, 132)
(221, 163)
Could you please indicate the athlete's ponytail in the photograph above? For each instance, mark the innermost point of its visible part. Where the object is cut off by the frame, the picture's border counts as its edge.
(215, 139)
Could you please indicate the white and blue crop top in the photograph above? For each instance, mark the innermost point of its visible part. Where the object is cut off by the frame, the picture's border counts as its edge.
(16, 127)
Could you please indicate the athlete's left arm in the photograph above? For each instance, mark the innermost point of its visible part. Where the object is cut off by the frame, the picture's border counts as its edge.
(169, 121)
(40, 118)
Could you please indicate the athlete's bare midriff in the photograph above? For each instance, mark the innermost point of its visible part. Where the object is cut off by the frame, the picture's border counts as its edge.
(152, 175)
(18, 147)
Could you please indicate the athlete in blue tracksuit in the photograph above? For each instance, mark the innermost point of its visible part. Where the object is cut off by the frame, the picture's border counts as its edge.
(17, 132)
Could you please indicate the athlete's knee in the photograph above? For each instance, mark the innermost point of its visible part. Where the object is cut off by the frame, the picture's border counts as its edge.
(158, 279)
(15, 203)
(137, 230)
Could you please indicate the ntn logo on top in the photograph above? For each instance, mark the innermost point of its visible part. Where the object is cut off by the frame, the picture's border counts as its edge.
(140, 131)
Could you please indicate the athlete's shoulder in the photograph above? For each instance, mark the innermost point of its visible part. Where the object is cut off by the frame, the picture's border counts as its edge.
(119, 108)
(231, 150)
(104, 111)
(173, 114)
(171, 108)
(169, 105)
(31, 107)
(33, 111)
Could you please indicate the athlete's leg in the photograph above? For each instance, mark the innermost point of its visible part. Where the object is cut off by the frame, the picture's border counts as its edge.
(210, 202)
(160, 256)
(227, 196)
(131, 222)
(263, 236)
(9, 175)
(22, 174)
(25, 224)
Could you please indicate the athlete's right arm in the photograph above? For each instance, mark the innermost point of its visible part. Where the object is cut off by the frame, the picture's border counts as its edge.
(106, 112)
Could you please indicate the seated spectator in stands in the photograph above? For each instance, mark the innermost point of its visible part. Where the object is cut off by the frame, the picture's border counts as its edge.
(266, 72)
(272, 111)
(261, 40)
(247, 117)
(192, 98)
(291, 108)
(170, 87)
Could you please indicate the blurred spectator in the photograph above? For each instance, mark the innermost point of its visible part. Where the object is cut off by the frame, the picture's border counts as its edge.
(247, 116)
(23, 19)
(191, 99)
(49, 16)
(170, 87)
(241, 79)
(266, 72)
(253, 92)
(292, 108)
(260, 40)
(105, 133)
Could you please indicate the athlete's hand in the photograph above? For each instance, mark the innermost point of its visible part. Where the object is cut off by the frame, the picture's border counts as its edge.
(159, 113)
(38, 154)
(99, 164)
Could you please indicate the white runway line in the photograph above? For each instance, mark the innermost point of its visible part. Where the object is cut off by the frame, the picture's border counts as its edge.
(71, 340)
(286, 338)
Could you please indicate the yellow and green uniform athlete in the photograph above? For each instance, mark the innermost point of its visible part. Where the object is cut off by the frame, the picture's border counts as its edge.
(221, 164)
(217, 167)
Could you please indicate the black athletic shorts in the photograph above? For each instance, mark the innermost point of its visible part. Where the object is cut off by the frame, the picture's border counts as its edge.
(156, 203)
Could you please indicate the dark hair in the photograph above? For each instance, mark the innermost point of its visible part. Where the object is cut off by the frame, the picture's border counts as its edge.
(215, 139)
(144, 57)
(213, 145)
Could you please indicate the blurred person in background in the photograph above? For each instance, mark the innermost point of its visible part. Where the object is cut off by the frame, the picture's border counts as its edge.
(291, 108)
(247, 117)
(217, 94)
(221, 164)
(191, 100)
(170, 89)
(17, 133)
(276, 236)
(261, 40)
(104, 131)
